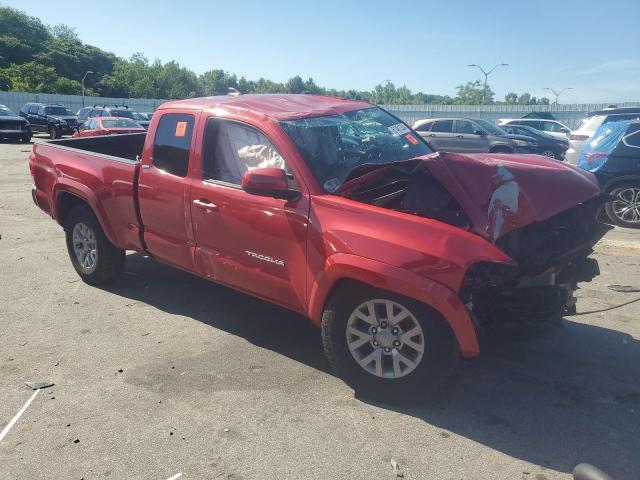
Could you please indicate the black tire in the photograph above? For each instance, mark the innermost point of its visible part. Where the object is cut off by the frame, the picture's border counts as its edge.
(500, 150)
(610, 207)
(439, 359)
(26, 138)
(109, 260)
(547, 152)
(54, 133)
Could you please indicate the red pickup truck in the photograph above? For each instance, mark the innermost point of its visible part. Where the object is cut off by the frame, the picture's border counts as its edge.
(335, 209)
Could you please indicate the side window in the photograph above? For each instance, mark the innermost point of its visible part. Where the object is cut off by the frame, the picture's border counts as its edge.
(425, 127)
(105, 114)
(95, 113)
(33, 110)
(93, 124)
(25, 109)
(230, 149)
(443, 126)
(633, 140)
(551, 127)
(82, 114)
(41, 111)
(466, 127)
(172, 143)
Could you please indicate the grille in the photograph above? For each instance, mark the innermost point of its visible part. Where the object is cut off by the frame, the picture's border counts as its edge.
(10, 125)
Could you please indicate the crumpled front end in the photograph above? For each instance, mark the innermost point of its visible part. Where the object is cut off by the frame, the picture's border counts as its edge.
(552, 258)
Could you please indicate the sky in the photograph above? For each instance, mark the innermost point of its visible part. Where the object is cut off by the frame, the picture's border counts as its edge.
(591, 46)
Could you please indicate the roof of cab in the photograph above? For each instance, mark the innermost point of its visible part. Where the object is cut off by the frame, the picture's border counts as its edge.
(277, 106)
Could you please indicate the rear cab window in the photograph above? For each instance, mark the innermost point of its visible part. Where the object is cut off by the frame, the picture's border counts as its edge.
(172, 143)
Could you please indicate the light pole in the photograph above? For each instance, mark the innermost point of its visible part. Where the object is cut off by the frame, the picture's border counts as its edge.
(557, 94)
(83, 79)
(486, 76)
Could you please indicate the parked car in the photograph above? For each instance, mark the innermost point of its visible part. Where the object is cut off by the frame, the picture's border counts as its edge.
(547, 145)
(471, 135)
(115, 111)
(108, 126)
(13, 126)
(613, 155)
(56, 120)
(550, 127)
(335, 209)
(590, 123)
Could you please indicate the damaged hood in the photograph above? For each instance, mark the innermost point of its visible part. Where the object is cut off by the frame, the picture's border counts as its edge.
(503, 192)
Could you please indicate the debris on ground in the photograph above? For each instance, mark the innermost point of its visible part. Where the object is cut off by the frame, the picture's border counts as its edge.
(396, 469)
(39, 385)
(623, 288)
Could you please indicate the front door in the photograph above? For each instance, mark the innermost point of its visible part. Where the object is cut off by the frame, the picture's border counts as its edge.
(468, 139)
(441, 136)
(252, 243)
(164, 189)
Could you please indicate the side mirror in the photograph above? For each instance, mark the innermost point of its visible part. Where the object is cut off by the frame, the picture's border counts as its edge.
(268, 182)
(565, 130)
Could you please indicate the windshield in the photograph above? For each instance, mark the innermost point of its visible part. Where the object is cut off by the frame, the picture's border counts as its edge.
(491, 128)
(58, 111)
(5, 112)
(121, 123)
(334, 145)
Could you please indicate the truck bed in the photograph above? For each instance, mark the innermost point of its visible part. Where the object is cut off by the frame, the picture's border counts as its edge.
(99, 171)
(127, 146)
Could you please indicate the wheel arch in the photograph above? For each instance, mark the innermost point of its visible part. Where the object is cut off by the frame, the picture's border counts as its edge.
(344, 269)
(615, 181)
(67, 197)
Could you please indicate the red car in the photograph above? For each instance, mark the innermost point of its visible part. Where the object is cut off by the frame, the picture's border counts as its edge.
(337, 210)
(108, 126)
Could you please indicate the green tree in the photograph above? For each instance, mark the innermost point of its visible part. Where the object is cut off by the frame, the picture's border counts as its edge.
(295, 85)
(511, 98)
(21, 36)
(474, 93)
(218, 82)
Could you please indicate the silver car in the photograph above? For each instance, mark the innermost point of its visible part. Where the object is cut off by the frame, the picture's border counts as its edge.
(472, 136)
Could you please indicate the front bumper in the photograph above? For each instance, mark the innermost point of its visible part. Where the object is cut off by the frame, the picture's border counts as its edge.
(13, 134)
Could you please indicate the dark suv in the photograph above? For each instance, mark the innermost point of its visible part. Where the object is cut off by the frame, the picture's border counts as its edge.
(120, 111)
(56, 120)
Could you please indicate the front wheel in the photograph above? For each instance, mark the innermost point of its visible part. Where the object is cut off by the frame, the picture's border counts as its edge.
(93, 256)
(385, 345)
(549, 153)
(624, 209)
(53, 133)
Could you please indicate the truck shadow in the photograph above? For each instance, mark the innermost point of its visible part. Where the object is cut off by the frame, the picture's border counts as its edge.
(570, 395)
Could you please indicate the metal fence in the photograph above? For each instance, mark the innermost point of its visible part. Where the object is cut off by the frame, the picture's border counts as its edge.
(15, 101)
(570, 115)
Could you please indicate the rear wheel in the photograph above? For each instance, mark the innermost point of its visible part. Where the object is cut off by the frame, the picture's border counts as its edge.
(93, 256)
(549, 153)
(385, 345)
(624, 209)
(26, 137)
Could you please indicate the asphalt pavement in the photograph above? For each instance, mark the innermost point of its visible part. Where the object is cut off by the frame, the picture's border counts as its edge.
(163, 374)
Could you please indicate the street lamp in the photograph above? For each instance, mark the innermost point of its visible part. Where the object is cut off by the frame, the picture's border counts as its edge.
(557, 94)
(83, 79)
(486, 76)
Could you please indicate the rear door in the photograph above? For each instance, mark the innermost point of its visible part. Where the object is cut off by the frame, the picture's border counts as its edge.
(164, 188)
(253, 243)
(36, 118)
(441, 136)
(467, 138)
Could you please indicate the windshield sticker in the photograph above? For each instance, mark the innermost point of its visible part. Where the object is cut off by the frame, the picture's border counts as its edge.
(398, 129)
(181, 129)
(411, 139)
(331, 185)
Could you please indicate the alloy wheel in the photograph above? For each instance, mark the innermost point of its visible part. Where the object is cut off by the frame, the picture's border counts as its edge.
(385, 338)
(85, 247)
(626, 205)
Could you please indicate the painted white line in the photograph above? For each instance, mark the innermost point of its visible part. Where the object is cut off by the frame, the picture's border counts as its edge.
(6, 429)
(177, 475)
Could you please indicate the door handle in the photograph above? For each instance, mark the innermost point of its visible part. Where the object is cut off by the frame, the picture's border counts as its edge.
(432, 135)
(459, 136)
(206, 205)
